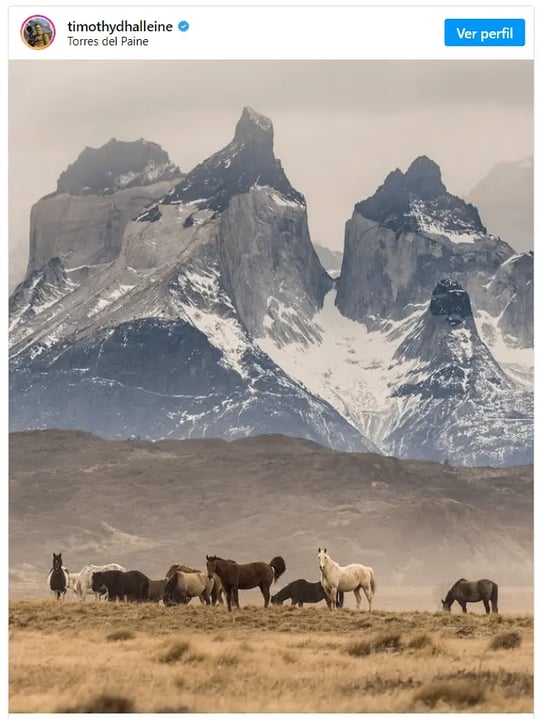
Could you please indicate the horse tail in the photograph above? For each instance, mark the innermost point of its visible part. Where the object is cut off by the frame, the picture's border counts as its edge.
(372, 583)
(278, 565)
(495, 597)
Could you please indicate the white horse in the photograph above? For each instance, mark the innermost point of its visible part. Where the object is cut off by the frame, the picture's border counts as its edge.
(72, 584)
(83, 583)
(350, 578)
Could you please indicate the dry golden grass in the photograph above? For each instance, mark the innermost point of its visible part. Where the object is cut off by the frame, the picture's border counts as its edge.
(103, 657)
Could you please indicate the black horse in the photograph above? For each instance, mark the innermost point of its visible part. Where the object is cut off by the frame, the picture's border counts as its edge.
(132, 586)
(236, 576)
(301, 591)
(463, 591)
(58, 577)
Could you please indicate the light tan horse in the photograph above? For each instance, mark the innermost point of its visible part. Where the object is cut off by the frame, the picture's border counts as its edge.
(183, 586)
(217, 589)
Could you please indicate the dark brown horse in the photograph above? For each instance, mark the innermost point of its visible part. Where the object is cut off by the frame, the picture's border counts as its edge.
(463, 591)
(301, 591)
(236, 576)
(156, 587)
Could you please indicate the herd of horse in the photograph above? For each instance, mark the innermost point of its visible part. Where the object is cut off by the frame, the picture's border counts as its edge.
(182, 583)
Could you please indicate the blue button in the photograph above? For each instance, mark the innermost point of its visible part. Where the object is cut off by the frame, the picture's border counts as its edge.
(484, 33)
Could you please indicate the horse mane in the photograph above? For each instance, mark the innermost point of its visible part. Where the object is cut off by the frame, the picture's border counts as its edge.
(454, 585)
(220, 559)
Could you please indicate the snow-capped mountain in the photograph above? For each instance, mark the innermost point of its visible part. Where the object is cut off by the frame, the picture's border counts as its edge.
(213, 317)
(453, 397)
(159, 343)
(399, 245)
(408, 235)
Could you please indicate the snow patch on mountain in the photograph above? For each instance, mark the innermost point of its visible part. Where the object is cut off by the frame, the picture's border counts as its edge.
(517, 362)
(433, 221)
(348, 366)
(213, 314)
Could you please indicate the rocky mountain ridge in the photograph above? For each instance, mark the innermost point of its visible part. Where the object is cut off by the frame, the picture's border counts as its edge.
(215, 317)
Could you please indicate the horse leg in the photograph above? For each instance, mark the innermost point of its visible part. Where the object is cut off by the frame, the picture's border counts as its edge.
(236, 598)
(300, 604)
(486, 605)
(333, 597)
(369, 596)
(266, 594)
(494, 607)
(358, 597)
(463, 607)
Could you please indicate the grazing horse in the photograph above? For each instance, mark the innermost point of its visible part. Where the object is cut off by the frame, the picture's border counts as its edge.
(58, 577)
(301, 591)
(245, 576)
(155, 589)
(463, 591)
(83, 584)
(131, 586)
(350, 578)
(183, 586)
(217, 589)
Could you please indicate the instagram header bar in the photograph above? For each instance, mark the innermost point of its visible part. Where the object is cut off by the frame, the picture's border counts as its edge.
(268, 33)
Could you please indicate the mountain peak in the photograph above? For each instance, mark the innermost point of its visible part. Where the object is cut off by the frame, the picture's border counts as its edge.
(254, 127)
(247, 161)
(116, 165)
(423, 178)
(418, 201)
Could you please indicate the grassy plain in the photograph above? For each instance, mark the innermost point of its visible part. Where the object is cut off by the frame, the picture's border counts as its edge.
(104, 657)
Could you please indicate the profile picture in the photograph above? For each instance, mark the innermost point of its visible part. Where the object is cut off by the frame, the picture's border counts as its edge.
(37, 32)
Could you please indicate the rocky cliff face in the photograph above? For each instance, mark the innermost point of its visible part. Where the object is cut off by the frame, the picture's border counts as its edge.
(83, 222)
(408, 235)
(240, 201)
(509, 297)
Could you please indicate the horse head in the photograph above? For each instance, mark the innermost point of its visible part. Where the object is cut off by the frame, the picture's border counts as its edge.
(323, 558)
(211, 565)
(97, 582)
(57, 561)
(169, 591)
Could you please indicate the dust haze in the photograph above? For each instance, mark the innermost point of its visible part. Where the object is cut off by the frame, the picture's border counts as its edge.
(148, 504)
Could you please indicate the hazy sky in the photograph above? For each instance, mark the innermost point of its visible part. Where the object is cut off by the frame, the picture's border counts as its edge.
(339, 126)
